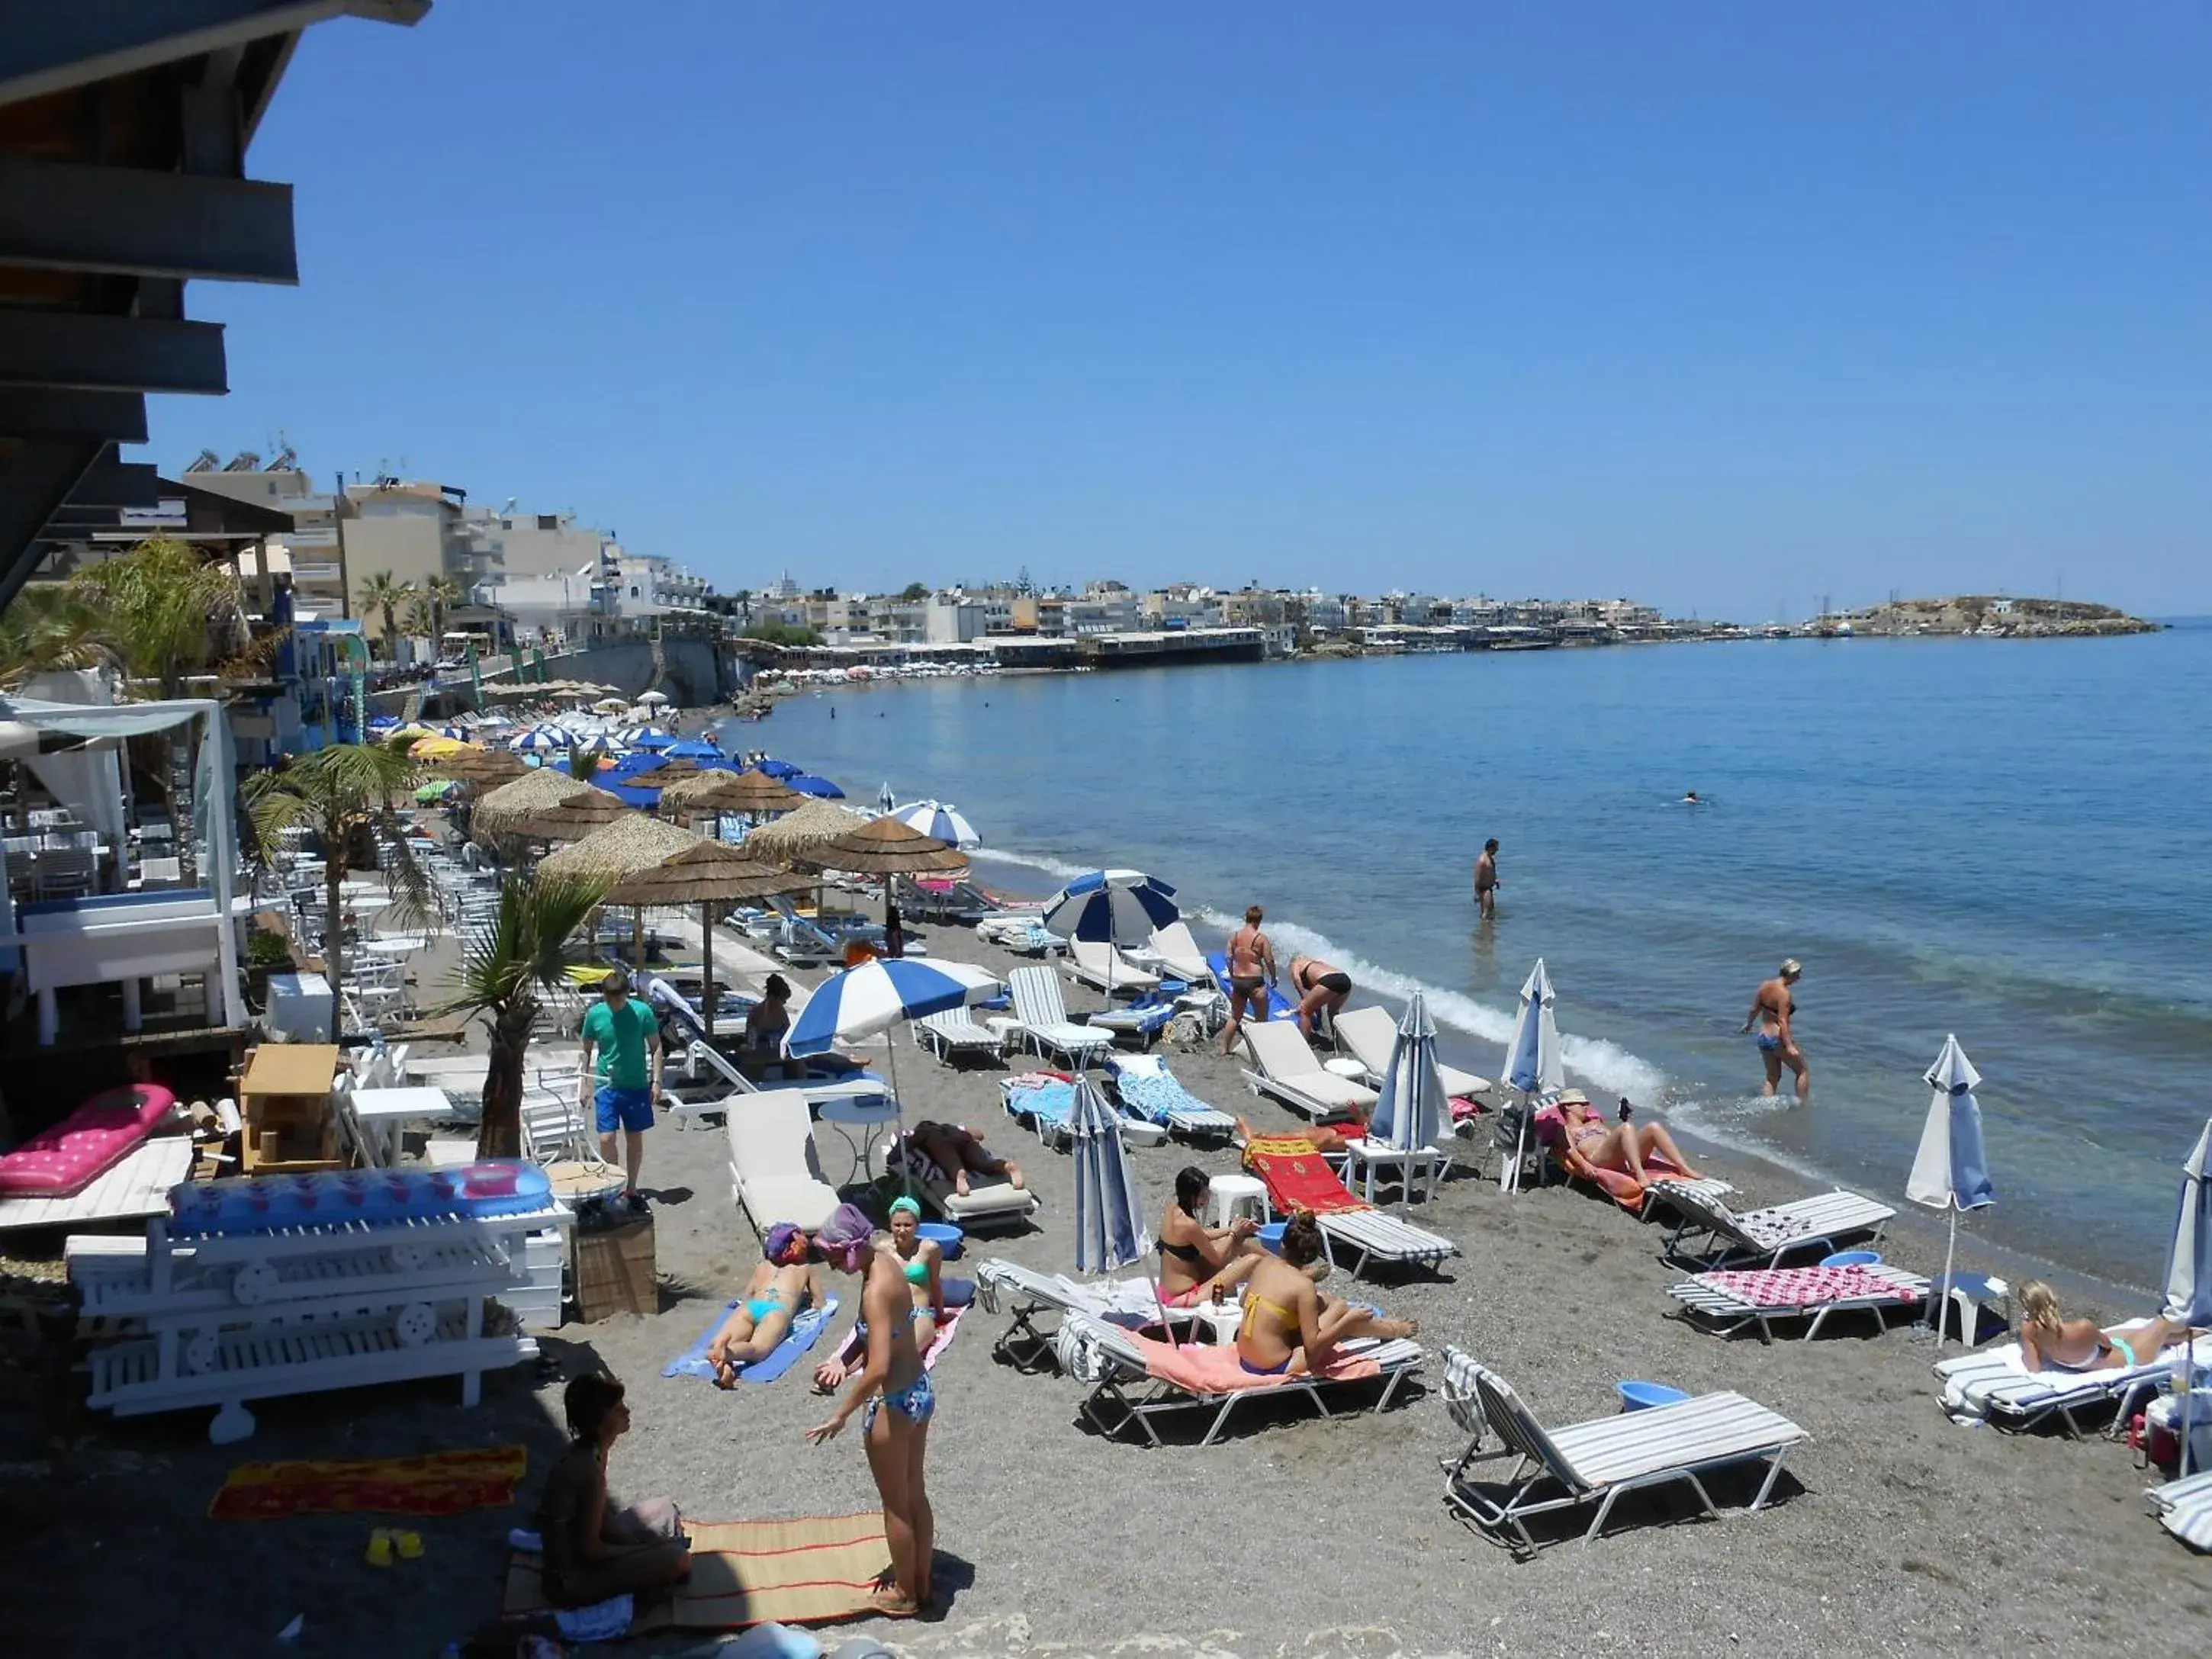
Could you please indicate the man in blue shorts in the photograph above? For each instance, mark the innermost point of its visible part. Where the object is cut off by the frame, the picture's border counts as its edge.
(621, 1056)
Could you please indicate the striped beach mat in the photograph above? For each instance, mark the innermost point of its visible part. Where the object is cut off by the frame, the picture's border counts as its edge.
(437, 1483)
(813, 1570)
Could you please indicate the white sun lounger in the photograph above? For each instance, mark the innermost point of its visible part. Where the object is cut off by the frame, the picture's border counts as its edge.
(999, 1203)
(1149, 1091)
(1105, 969)
(1597, 1461)
(1368, 1036)
(1370, 1234)
(1041, 1017)
(774, 1174)
(2184, 1508)
(1710, 1235)
(1123, 1390)
(1290, 1074)
(954, 1033)
(816, 1094)
(1732, 1302)
(1024, 1295)
(1174, 953)
(1991, 1386)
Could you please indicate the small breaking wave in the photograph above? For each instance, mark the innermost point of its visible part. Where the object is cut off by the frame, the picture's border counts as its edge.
(1060, 867)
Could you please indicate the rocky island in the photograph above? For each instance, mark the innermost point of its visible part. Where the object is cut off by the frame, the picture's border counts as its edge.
(1992, 617)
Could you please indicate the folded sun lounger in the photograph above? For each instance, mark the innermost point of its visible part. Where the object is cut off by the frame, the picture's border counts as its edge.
(1770, 1296)
(1708, 1235)
(2184, 1508)
(1597, 1461)
(1105, 969)
(1369, 1034)
(1149, 1091)
(1041, 1018)
(1991, 1386)
(1290, 1074)
(1136, 1380)
(1299, 1178)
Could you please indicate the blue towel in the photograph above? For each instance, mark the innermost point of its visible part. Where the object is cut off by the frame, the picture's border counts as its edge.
(1049, 1102)
(805, 1328)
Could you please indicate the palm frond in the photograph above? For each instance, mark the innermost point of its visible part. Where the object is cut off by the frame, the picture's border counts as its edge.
(521, 949)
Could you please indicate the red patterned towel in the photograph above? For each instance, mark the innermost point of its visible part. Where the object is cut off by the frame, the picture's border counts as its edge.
(1298, 1177)
(440, 1483)
(1807, 1287)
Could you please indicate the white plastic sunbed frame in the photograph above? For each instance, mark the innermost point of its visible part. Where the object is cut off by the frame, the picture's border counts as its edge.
(1372, 1235)
(2019, 1400)
(774, 1174)
(1599, 1461)
(1102, 968)
(2184, 1508)
(1729, 1311)
(1173, 953)
(1368, 1036)
(954, 1033)
(1290, 1074)
(1195, 1121)
(1126, 1392)
(1723, 1237)
(1041, 1014)
(982, 1206)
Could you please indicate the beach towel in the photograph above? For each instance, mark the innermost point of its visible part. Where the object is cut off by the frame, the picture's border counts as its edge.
(1296, 1177)
(1807, 1287)
(1045, 1101)
(809, 1571)
(806, 1328)
(437, 1483)
(959, 1297)
(1212, 1368)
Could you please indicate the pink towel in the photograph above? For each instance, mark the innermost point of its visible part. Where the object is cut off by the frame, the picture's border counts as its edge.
(1807, 1287)
(1210, 1368)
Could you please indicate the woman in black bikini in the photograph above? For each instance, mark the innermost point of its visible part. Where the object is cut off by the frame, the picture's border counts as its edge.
(1194, 1255)
(1251, 964)
(1321, 988)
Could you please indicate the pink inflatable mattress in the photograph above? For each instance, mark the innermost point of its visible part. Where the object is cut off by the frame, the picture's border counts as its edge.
(87, 1143)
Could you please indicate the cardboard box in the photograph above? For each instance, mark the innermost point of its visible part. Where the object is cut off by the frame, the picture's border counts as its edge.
(284, 1098)
(615, 1272)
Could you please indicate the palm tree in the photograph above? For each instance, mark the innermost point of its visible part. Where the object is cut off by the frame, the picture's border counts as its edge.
(338, 794)
(51, 625)
(422, 617)
(384, 592)
(158, 613)
(443, 593)
(503, 969)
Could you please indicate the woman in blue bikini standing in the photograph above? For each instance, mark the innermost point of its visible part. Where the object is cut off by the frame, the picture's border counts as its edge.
(895, 1427)
(1772, 1008)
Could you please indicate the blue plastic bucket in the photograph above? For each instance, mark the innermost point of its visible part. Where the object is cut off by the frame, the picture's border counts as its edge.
(1270, 1237)
(1851, 1259)
(1641, 1396)
(948, 1238)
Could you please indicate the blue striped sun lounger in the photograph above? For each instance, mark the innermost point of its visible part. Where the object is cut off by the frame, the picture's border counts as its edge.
(1151, 1091)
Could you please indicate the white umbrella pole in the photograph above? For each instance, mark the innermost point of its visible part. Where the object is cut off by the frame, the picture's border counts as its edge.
(898, 1109)
(1942, 1296)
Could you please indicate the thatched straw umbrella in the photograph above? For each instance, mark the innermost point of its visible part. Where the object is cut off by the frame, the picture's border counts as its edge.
(574, 817)
(632, 844)
(723, 791)
(480, 768)
(705, 873)
(886, 847)
(794, 835)
(526, 797)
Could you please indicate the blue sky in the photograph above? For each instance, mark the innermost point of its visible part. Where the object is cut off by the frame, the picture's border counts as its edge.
(1725, 306)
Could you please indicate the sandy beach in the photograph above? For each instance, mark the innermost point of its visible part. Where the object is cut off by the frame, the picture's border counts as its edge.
(1893, 1532)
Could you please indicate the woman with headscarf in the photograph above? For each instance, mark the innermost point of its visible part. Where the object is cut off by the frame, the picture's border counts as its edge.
(787, 1279)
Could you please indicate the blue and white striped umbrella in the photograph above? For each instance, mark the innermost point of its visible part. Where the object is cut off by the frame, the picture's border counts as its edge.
(1533, 1062)
(880, 993)
(2189, 1273)
(635, 736)
(602, 743)
(1111, 907)
(1950, 1171)
(458, 733)
(1411, 1112)
(937, 819)
(543, 740)
(1109, 1210)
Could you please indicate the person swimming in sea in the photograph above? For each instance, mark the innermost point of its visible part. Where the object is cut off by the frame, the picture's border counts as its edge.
(1692, 798)
(1772, 1008)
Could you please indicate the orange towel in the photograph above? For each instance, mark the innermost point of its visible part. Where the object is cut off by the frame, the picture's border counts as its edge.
(1211, 1368)
(440, 1483)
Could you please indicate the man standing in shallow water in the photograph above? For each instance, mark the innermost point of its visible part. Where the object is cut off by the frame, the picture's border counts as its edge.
(1773, 1009)
(1486, 881)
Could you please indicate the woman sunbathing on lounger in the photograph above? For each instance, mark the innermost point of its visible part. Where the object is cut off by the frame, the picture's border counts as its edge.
(1193, 1256)
(922, 1262)
(788, 1280)
(2049, 1341)
(591, 1554)
(960, 1152)
(1290, 1328)
(1593, 1143)
(1327, 1139)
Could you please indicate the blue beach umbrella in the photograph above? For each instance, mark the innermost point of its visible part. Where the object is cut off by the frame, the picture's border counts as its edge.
(820, 788)
(637, 763)
(1951, 1172)
(938, 820)
(876, 995)
(884, 799)
(634, 794)
(652, 737)
(1411, 1112)
(2189, 1273)
(774, 767)
(1109, 1210)
(691, 749)
(1533, 1064)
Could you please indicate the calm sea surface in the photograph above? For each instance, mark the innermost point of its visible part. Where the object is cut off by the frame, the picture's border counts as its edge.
(2009, 840)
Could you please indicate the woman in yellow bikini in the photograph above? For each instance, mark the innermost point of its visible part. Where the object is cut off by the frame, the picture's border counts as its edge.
(1290, 1328)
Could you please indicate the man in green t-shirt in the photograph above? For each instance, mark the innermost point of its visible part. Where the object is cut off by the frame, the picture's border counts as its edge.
(622, 1059)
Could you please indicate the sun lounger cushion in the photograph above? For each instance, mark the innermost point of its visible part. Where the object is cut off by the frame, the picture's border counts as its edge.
(980, 1203)
(87, 1143)
(258, 1204)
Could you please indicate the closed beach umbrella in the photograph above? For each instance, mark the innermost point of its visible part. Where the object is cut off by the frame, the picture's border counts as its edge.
(1115, 907)
(879, 994)
(1411, 1112)
(2189, 1273)
(1950, 1172)
(1533, 1064)
(884, 799)
(936, 819)
(1109, 1210)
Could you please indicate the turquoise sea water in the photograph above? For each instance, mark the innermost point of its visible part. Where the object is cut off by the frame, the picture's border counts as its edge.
(2005, 839)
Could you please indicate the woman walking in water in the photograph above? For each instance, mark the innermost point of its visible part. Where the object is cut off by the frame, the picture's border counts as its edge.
(1251, 964)
(1772, 1008)
(893, 1394)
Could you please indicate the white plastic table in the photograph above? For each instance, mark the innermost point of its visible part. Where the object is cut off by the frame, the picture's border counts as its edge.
(863, 1113)
(380, 1112)
(1418, 1169)
(398, 945)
